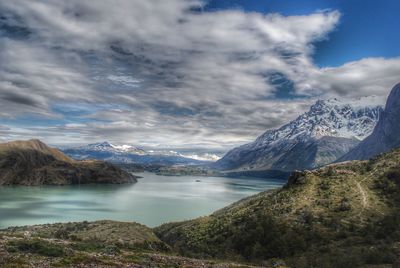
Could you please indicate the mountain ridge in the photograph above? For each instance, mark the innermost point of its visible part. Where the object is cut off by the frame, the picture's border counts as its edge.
(127, 154)
(107, 146)
(330, 128)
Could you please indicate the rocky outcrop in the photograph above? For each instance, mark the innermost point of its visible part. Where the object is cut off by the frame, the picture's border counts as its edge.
(296, 178)
(34, 163)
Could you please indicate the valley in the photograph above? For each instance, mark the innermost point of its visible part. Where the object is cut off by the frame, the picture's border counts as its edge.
(348, 210)
(199, 134)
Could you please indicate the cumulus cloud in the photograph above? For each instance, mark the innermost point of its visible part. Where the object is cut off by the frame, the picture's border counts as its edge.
(165, 73)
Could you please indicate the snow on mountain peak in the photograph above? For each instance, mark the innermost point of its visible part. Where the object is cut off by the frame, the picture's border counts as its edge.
(106, 146)
(332, 117)
(200, 156)
(100, 145)
(123, 147)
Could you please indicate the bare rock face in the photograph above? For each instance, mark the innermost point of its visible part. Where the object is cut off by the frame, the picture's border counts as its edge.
(385, 136)
(34, 163)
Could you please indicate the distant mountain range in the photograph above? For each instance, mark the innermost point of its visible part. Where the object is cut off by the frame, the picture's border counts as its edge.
(108, 147)
(128, 154)
(329, 130)
(34, 163)
(386, 135)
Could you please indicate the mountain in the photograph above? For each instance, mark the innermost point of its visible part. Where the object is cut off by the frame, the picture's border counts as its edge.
(34, 163)
(341, 215)
(127, 154)
(386, 133)
(318, 137)
(108, 147)
(34, 145)
(199, 155)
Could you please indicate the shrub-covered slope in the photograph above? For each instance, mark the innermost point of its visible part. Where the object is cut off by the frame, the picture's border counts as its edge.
(95, 244)
(342, 215)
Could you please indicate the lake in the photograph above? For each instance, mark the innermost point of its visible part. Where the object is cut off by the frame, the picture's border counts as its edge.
(153, 200)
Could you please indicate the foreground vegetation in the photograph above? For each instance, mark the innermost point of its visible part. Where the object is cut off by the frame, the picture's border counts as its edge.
(342, 215)
(95, 244)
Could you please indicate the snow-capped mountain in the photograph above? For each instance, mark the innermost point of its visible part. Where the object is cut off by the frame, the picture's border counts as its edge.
(203, 156)
(320, 136)
(327, 118)
(200, 156)
(128, 154)
(385, 136)
(106, 146)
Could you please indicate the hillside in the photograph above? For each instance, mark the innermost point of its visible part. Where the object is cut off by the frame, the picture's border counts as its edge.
(95, 244)
(34, 163)
(342, 215)
(329, 130)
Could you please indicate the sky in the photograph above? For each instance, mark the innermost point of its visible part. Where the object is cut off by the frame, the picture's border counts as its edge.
(185, 73)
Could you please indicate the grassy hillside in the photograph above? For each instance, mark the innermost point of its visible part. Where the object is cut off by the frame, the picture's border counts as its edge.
(96, 244)
(342, 215)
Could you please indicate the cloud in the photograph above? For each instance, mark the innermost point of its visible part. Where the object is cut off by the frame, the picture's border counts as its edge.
(165, 73)
(370, 76)
(32, 77)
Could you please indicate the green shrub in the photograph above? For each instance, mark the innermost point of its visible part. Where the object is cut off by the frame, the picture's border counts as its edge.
(111, 250)
(262, 238)
(36, 246)
(379, 255)
(388, 228)
(61, 233)
(393, 175)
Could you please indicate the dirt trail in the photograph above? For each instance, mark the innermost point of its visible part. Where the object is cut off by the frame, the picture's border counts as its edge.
(363, 195)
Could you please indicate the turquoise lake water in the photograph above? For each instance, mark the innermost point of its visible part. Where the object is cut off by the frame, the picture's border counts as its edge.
(153, 200)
